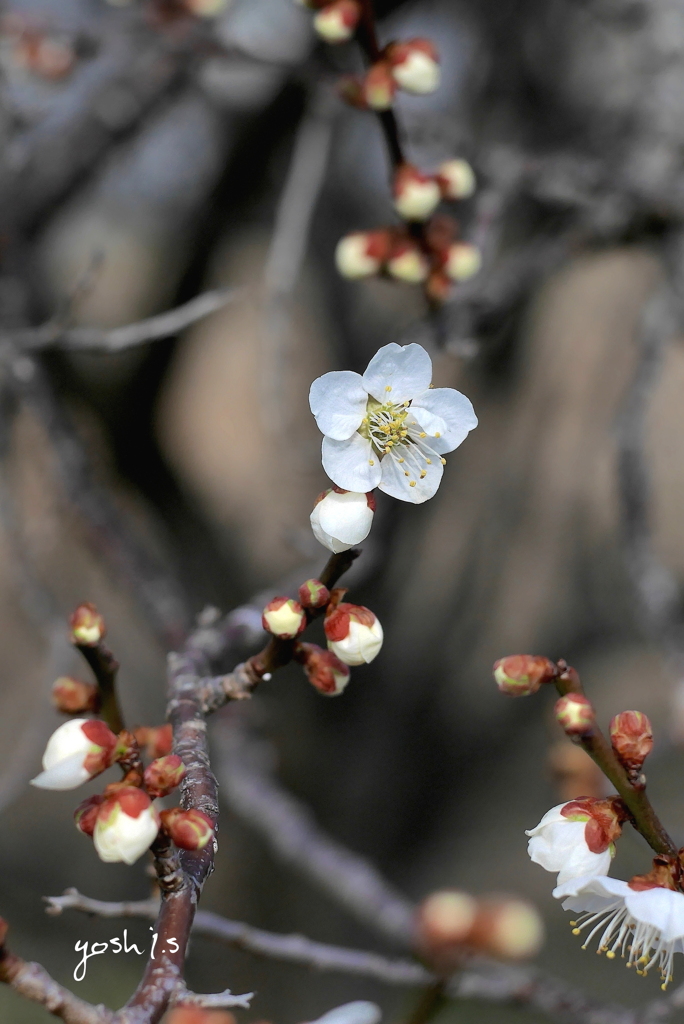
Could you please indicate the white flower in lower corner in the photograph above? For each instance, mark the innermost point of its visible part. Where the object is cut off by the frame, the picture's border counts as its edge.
(341, 519)
(76, 752)
(127, 825)
(389, 428)
(559, 843)
(646, 925)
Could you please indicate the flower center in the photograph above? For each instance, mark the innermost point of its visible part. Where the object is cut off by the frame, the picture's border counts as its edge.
(392, 431)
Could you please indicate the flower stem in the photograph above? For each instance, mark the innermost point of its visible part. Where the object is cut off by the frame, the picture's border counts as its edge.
(368, 41)
(105, 667)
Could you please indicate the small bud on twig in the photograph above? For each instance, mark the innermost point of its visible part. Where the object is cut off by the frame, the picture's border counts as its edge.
(73, 696)
(632, 737)
(283, 617)
(354, 633)
(407, 262)
(87, 625)
(190, 830)
(313, 594)
(163, 775)
(85, 815)
(520, 675)
(157, 740)
(416, 195)
(456, 179)
(363, 253)
(324, 670)
(340, 519)
(575, 713)
(336, 23)
(445, 919)
(462, 261)
(414, 65)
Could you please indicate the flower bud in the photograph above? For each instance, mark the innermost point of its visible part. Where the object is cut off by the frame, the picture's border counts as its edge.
(632, 738)
(336, 23)
(416, 195)
(85, 815)
(508, 928)
(206, 8)
(575, 713)
(362, 254)
(73, 696)
(414, 66)
(407, 263)
(198, 1015)
(76, 752)
(190, 830)
(462, 261)
(456, 179)
(313, 594)
(156, 740)
(445, 919)
(340, 519)
(87, 625)
(127, 825)
(354, 633)
(520, 675)
(284, 617)
(163, 775)
(324, 670)
(378, 87)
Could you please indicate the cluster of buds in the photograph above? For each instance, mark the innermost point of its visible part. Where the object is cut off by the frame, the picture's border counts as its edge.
(436, 258)
(417, 195)
(341, 519)
(412, 66)
(451, 923)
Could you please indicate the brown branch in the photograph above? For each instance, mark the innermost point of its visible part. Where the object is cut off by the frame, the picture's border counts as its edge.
(104, 667)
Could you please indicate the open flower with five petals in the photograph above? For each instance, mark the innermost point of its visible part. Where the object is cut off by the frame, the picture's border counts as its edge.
(389, 428)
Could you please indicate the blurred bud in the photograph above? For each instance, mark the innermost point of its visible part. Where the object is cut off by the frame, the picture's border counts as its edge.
(313, 594)
(206, 8)
(574, 772)
(86, 813)
(507, 928)
(632, 738)
(378, 87)
(163, 775)
(438, 286)
(416, 195)
(127, 824)
(76, 752)
(324, 670)
(73, 696)
(337, 22)
(340, 519)
(574, 712)
(198, 1015)
(445, 919)
(47, 57)
(87, 625)
(407, 263)
(157, 740)
(414, 66)
(362, 254)
(456, 179)
(354, 633)
(462, 261)
(190, 830)
(351, 89)
(284, 617)
(520, 675)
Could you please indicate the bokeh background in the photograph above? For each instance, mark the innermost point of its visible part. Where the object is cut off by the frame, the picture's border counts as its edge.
(176, 180)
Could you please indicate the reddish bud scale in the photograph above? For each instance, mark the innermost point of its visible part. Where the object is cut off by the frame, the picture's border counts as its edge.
(605, 820)
(86, 814)
(324, 670)
(313, 594)
(163, 775)
(337, 621)
(198, 1015)
(666, 873)
(131, 800)
(190, 830)
(574, 712)
(103, 737)
(520, 675)
(73, 696)
(87, 625)
(157, 741)
(632, 737)
(284, 617)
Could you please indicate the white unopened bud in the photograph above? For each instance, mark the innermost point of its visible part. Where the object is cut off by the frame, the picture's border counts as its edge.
(284, 617)
(415, 66)
(407, 263)
(127, 825)
(336, 23)
(362, 254)
(354, 633)
(206, 8)
(463, 261)
(76, 752)
(416, 195)
(341, 519)
(456, 179)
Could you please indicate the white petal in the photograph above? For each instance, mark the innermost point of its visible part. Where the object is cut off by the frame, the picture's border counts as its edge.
(405, 369)
(66, 774)
(395, 482)
(447, 411)
(127, 838)
(338, 401)
(661, 908)
(603, 887)
(550, 818)
(331, 543)
(359, 1012)
(352, 463)
(66, 741)
(582, 862)
(346, 517)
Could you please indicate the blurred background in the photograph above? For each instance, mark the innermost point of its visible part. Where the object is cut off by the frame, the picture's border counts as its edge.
(149, 154)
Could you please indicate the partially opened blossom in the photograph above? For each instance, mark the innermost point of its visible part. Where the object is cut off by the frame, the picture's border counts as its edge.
(389, 428)
(354, 633)
(127, 825)
(645, 925)
(76, 752)
(415, 65)
(559, 843)
(340, 519)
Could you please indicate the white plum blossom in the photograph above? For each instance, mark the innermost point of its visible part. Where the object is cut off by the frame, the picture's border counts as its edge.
(389, 428)
(127, 825)
(341, 519)
(647, 925)
(558, 843)
(76, 752)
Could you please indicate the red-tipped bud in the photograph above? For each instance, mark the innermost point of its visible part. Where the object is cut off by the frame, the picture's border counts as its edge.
(163, 775)
(87, 626)
(336, 23)
(632, 738)
(190, 830)
(324, 670)
(574, 712)
(444, 920)
(462, 261)
(414, 65)
(416, 195)
(284, 617)
(73, 696)
(456, 179)
(379, 87)
(363, 253)
(76, 752)
(507, 928)
(86, 813)
(407, 262)
(198, 1015)
(157, 740)
(313, 594)
(127, 825)
(520, 675)
(354, 633)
